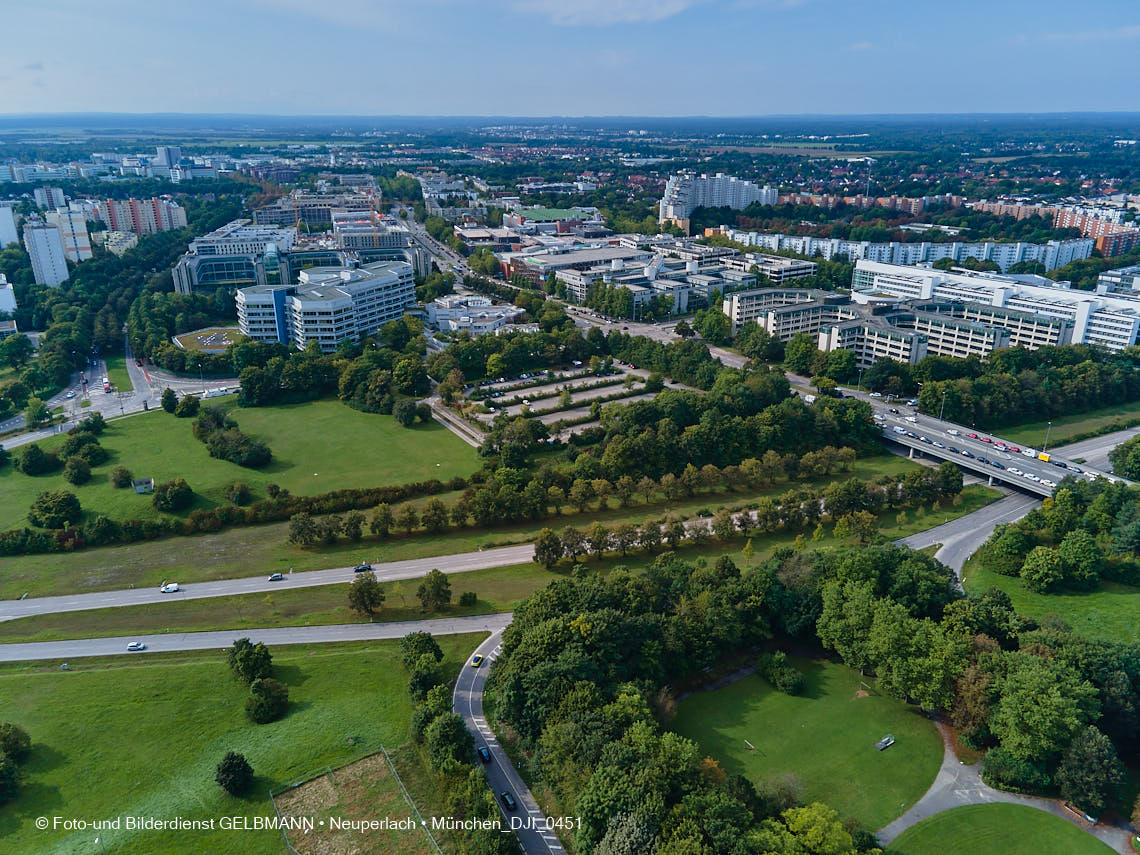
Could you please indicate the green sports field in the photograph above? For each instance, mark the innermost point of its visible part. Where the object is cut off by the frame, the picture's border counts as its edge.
(826, 737)
(996, 829)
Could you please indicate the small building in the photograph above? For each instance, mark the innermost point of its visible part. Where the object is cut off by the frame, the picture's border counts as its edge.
(143, 485)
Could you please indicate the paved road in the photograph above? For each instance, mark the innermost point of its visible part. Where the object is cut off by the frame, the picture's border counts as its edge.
(960, 538)
(224, 638)
(409, 569)
(467, 701)
(1095, 451)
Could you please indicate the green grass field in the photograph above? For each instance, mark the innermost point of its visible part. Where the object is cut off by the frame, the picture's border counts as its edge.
(252, 550)
(142, 736)
(117, 374)
(996, 829)
(1033, 433)
(1111, 613)
(317, 447)
(826, 737)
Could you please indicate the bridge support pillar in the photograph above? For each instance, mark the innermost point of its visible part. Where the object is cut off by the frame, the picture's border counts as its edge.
(910, 454)
(991, 481)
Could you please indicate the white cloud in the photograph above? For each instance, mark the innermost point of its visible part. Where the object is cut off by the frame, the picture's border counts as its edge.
(1113, 35)
(861, 46)
(584, 13)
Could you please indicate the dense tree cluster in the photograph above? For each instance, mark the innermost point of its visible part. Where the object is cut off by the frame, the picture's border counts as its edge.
(15, 746)
(225, 441)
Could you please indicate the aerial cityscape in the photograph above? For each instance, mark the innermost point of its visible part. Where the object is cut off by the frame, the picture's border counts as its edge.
(570, 428)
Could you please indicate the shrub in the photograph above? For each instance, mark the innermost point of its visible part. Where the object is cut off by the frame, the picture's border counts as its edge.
(404, 412)
(14, 741)
(468, 598)
(234, 774)
(775, 668)
(93, 454)
(1001, 769)
(173, 495)
(239, 493)
(93, 424)
(9, 778)
(77, 471)
(169, 400)
(55, 509)
(121, 477)
(36, 461)
(188, 407)
(416, 644)
(267, 701)
(249, 661)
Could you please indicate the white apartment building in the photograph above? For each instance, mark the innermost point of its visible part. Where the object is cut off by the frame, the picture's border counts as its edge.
(118, 243)
(48, 198)
(1051, 255)
(327, 305)
(687, 191)
(367, 230)
(143, 216)
(1106, 320)
(72, 227)
(45, 250)
(7, 307)
(8, 232)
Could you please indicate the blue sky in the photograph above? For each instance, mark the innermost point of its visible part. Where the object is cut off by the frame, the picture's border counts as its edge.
(569, 57)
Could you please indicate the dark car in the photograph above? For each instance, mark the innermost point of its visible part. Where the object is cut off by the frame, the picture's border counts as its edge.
(894, 410)
(508, 800)
(967, 454)
(361, 568)
(484, 754)
(983, 460)
(1060, 463)
(952, 450)
(996, 464)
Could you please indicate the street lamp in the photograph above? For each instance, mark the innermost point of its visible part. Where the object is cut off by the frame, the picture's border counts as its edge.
(1047, 432)
(201, 379)
(859, 387)
(942, 408)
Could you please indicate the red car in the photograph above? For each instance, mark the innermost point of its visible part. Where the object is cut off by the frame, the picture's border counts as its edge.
(972, 435)
(985, 439)
(1016, 449)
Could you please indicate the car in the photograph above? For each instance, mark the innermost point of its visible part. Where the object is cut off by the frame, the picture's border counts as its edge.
(1016, 449)
(913, 402)
(1045, 482)
(953, 431)
(898, 429)
(1061, 464)
(138, 363)
(912, 434)
(476, 660)
(624, 328)
(876, 394)
(894, 410)
(362, 568)
(912, 420)
(170, 588)
(972, 435)
(484, 754)
(1077, 469)
(275, 577)
(966, 453)
(981, 459)
(885, 743)
(985, 439)
(924, 439)
(952, 450)
(1030, 476)
(508, 800)
(938, 444)
(70, 394)
(1001, 446)
(1013, 470)
(135, 646)
(996, 465)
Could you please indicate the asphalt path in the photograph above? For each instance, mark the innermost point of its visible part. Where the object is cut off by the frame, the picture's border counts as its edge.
(224, 638)
(960, 538)
(1095, 451)
(467, 701)
(409, 569)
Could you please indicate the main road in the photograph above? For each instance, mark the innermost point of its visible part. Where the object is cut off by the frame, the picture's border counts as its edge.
(117, 646)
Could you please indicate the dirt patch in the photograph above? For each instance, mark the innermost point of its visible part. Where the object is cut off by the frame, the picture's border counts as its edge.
(363, 790)
(862, 693)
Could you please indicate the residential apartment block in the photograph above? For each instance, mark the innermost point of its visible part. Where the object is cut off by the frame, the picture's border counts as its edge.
(45, 250)
(72, 227)
(327, 305)
(143, 216)
(687, 191)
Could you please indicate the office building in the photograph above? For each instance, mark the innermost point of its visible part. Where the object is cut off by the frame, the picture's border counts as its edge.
(776, 268)
(327, 305)
(236, 255)
(117, 243)
(367, 230)
(49, 198)
(1051, 255)
(7, 307)
(143, 216)
(1103, 319)
(167, 155)
(687, 191)
(1122, 279)
(8, 233)
(474, 314)
(72, 227)
(312, 209)
(45, 250)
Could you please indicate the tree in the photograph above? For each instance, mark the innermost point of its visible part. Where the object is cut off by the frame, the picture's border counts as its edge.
(76, 471)
(1080, 557)
(249, 661)
(683, 329)
(404, 412)
(407, 518)
(625, 538)
(36, 461)
(434, 591)
(862, 525)
(573, 542)
(415, 645)
(547, 548)
(55, 509)
(435, 516)
(268, 700)
(14, 741)
(647, 487)
(598, 537)
(381, 521)
(448, 741)
(234, 774)
(9, 778)
(1090, 773)
(302, 529)
(174, 495)
(1042, 570)
(16, 350)
(188, 407)
(169, 400)
(799, 353)
(365, 594)
(36, 413)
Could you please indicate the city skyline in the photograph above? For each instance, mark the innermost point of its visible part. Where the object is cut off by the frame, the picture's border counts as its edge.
(584, 58)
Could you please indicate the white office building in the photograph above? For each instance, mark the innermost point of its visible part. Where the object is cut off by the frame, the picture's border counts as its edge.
(7, 307)
(327, 305)
(72, 227)
(474, 314)
(1103, 319)
(687, 191)
(8, 232)
(367, 230)
(45, 250)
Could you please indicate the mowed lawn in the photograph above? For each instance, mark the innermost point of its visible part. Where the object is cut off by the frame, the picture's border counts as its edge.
(117, 374)
(1064, 427)
(317, 447)
(825, 737)
(1110, 613)
(142, 737)
(996, 829)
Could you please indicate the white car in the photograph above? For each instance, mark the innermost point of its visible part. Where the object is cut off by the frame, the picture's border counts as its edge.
(938, 444)
(876, 394)
(1015, 471)
(170, 588)
(1030, 476)
(70, 394)
(1045, 482)
(953, 431)
(135, 646)
(912, 420)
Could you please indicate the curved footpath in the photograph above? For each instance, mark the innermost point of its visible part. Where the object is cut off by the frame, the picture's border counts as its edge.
(224, 638)
(958, 785)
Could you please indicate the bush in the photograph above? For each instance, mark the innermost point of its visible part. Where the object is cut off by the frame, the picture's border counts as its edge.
(188, 407)
(9, 778)
(267, 701)
(775, 668)
(468, 598)
(93, 424)
(234, 774)
(249, 661)
(416, 644)
(404, 412)
(169, 400)
(173, 495)
(121, 477)
(76, 471)
(14, 741)
(239, 493)
(1001, 769)
(55, 509)
(36, 461)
